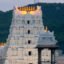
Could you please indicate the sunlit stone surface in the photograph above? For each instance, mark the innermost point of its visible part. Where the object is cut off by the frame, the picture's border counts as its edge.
(26, 31)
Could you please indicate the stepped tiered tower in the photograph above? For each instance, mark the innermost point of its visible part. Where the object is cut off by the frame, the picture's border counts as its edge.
(26, 32)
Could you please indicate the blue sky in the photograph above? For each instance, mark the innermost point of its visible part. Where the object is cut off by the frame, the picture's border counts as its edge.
(6, 5)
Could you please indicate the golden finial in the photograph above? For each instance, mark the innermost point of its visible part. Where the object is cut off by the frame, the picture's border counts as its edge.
(46, 29)
(29, 8)
(22, 8)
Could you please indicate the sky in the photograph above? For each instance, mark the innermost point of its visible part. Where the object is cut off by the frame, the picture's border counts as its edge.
(6, 5)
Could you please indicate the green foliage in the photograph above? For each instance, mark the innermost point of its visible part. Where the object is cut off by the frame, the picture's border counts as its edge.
(53, 16)
(5, 21)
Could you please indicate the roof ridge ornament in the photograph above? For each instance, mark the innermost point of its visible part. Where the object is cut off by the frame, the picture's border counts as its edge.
(38, 7)
(46, 29)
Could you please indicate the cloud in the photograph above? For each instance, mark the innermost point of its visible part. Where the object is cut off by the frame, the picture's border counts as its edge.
(9, 4)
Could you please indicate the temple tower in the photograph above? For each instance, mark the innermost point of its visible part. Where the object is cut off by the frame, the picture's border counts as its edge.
(26, 32)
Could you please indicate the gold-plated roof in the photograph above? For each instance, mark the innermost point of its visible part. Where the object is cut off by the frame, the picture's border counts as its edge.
(27, 8)
(33, 10)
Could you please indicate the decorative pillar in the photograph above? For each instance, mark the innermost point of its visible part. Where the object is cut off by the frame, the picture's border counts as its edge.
(51, 48)
(39, 56)
(52, 56)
